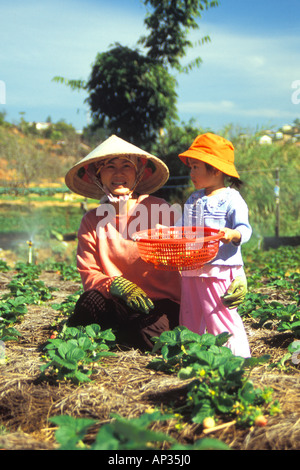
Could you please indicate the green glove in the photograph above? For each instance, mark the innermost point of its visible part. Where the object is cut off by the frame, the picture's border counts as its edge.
(131, 294)
(236, 292)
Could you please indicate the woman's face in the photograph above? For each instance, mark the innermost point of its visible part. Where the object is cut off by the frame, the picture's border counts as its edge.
(118, 175)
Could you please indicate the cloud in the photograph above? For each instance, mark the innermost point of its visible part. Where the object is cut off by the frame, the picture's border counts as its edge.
(234, 55)
(234, 111)
(206, 106)
(242, 77)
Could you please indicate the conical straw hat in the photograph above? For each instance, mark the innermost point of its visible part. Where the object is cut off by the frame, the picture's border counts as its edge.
(155, 175)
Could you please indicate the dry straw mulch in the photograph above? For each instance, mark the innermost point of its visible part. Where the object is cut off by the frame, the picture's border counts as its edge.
(124, 385)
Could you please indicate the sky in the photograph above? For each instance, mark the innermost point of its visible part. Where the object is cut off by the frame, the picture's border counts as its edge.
(249, 76)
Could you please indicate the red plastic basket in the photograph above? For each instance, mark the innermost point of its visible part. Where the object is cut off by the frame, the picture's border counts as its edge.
(178, 248)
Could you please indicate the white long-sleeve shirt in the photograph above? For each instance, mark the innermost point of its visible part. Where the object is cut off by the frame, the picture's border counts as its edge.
(227, 208)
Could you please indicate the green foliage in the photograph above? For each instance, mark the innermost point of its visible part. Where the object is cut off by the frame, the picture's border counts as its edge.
(68, 272)
(130, 94)
(40, 221)
(13, 310)
(268, 314)
(219, 383)
(8, 333)
(24, 290)
(20, 191)
(279, 271)
(67, 306)
(33, 291)
(72, 354)
(220, 386)
(3, 266)
(122, 434)
(257, 166)
(169, 23)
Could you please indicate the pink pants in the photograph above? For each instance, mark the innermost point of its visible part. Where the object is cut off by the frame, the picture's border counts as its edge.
(202, 311)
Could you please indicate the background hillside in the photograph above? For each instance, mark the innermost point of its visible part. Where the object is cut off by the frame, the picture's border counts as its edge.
(34, 158)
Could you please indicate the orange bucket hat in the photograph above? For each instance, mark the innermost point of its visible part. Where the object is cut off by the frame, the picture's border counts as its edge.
(212, 149)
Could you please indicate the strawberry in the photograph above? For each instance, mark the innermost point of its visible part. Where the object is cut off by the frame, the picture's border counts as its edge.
(260, 421)
(208, 423)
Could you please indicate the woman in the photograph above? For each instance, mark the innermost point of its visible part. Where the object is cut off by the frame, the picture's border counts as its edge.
(121, 291)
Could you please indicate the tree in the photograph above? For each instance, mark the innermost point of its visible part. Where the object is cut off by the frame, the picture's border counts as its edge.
(131, 94)
(169, 25)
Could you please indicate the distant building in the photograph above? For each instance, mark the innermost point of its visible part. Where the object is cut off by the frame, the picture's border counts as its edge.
(265, 139)
(41, 126)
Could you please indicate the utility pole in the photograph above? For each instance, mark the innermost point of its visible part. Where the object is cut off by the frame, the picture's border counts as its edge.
(277, 200)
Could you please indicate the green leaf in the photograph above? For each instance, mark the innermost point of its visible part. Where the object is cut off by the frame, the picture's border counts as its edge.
(248, 392)
(59, 362)
(75, 354)
(205, 410)
(255, 361)
(186, 373)
(85, 343)
(71, 430)
(81, 376)
(93, 330)
(105, 439)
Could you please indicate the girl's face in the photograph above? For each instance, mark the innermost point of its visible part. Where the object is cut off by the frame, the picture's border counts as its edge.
(202, 178)
(119, 176)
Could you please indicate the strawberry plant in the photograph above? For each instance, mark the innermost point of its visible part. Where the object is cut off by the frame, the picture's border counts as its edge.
(26, 284)
(219, 384)
(33, 291)
(68, 272)
(73, 352)
(8, 333)
(252, 302)
(4, 266)
(271, 314)
(67, 306)
(65, 361)
(27, 270)
(290, 320)
(11, 311)
(122, 434)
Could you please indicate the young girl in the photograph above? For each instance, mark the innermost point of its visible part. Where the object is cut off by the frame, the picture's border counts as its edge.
(211, 160)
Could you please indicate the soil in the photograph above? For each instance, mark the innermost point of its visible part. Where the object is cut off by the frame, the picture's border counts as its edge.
(124, 385)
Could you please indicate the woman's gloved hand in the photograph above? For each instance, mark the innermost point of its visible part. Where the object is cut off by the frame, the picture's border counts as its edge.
(236, 292)
(131, 294)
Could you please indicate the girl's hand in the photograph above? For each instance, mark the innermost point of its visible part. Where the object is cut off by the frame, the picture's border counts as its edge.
(235, 293)
(230, 236)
